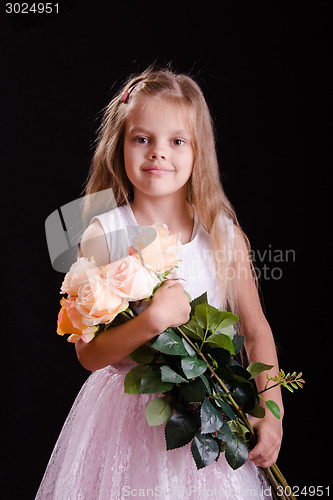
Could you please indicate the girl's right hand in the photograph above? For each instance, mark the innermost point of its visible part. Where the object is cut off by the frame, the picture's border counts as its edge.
(170, 306)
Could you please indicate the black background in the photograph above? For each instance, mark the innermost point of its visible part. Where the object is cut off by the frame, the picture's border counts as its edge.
(265, 69)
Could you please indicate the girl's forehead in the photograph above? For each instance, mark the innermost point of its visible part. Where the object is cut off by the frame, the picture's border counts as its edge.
(156, 111)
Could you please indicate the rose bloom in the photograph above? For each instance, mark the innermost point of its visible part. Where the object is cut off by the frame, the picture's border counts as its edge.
(78, 275)
(97, 302)
(131, 279)
(162, 253)
(70, 321)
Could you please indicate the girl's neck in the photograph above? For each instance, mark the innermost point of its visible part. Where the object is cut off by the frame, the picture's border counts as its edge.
(177, 214)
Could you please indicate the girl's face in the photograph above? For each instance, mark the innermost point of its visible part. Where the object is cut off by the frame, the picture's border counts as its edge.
(158, 150)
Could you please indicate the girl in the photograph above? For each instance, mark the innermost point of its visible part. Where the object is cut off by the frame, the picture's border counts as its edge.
(156, 152)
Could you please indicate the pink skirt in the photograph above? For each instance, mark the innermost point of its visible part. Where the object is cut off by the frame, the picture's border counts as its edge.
(107, 451)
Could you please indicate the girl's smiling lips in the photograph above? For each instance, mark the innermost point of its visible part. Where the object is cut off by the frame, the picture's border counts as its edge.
(157, 170)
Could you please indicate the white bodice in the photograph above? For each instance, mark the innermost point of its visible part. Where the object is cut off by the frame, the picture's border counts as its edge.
(196, 266)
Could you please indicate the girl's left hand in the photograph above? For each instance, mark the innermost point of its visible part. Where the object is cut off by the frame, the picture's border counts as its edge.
(266, 451)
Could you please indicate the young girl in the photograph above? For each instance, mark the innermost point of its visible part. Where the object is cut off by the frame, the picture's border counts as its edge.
(156, 152)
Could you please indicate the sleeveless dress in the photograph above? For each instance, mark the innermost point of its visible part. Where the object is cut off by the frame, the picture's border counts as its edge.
(106, 449)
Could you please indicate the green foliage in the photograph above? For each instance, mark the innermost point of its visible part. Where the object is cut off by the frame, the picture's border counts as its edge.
(274, 408)
(179, 430)
(151, 383)
(133, 379)
(221, 340)
(204, 450)
(256, 368)
(169, 342)
(143, 355)
(193, 330)
(207, 392)
(193, 367)
(236, 452)
(194, 392)
(169, 375)
(158, 411)
(290, 381)
(211, 419)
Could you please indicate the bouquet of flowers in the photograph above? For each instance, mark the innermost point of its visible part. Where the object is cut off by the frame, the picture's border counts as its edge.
(205, 395)
(96, 296)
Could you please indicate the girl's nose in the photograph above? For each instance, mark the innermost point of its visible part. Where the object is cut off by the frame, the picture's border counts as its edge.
(157, 153)
(157, 156)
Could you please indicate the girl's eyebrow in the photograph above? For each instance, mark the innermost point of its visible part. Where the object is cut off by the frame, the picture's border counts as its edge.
(135, 130)
(180, 132)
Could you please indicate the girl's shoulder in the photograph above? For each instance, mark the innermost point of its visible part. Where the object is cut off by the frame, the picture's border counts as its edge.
(112, 220)
(94, 244)
(106, 238)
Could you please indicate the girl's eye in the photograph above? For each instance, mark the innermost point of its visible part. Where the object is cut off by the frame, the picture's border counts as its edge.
(141, 140)
(178, 142)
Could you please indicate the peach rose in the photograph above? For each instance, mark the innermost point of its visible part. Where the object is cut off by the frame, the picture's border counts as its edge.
(162, 253)
(68, 315)
(64, 324)
(97, 302)
(130, 279)
(78, 275)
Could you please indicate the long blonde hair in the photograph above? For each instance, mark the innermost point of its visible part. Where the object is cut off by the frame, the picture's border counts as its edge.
(204, 189)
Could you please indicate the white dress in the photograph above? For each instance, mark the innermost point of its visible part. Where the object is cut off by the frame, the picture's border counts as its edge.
(106, 449)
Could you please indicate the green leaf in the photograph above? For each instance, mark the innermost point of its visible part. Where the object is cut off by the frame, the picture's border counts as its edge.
(274, 408)
(225, 373)
(158, 411)
(221, 356)
(194, 391)
(257, 410)
(143, 355)
(202, 299)
(243, 393)
(132, 380)
(192, 330)
(151, 383)
(238, 342)
(225, 433)
(193, 367)
(222, 341)
(205, 381)
(169, 375)
(238, 428)
(227, 319)
(169, 342)
(208, 317)
(225, 407)
(179, 431)
(256, 368)
(204, 450)
(211, 419)
(236, 452)
(190, 351)
(238, 369)
(228, 330)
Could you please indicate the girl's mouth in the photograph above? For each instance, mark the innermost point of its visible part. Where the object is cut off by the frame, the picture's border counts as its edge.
(157, 170)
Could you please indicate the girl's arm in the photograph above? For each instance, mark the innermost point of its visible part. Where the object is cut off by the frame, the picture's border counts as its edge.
(169, 307)
(259, 346)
